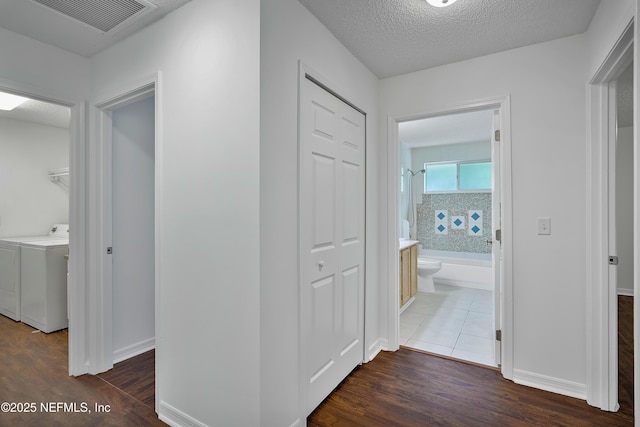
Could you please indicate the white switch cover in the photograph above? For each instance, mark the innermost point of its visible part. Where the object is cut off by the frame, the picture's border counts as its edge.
(544, 225)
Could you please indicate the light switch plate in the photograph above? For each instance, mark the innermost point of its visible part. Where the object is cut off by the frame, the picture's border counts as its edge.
(544, 226)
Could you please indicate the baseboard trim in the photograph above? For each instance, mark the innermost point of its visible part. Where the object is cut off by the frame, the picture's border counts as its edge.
(463, 284)
(625, 292)
(175, 417)
(408, 303)
(376, 348)
(134, 350)
(552, 384)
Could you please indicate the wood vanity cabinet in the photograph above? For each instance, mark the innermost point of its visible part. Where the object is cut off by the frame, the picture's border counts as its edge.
(408, 273)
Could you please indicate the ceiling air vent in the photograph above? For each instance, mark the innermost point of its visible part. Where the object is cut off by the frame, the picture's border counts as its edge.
(103, 15)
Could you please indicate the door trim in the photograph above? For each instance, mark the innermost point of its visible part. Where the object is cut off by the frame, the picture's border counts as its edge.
(77, 215)
(601, 301)
(305, 72)
(100, 288)
(393, 197)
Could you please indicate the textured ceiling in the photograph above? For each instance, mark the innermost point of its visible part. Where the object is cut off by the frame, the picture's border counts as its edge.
(458, 128)
(400, 36)
(40, 112)
(39, 22)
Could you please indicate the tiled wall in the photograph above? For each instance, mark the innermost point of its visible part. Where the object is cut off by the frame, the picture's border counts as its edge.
(459, 222)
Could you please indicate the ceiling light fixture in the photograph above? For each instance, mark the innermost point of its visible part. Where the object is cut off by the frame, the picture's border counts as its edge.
(8, 101)
(441, 3)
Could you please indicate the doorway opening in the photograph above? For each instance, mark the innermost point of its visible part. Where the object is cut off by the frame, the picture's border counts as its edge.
(451, 223)
(447, 194)
(621, 226)
(35, 139)
(610, 258)
(128, 238)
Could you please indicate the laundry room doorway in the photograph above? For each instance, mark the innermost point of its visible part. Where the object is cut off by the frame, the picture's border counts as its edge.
(35, 142)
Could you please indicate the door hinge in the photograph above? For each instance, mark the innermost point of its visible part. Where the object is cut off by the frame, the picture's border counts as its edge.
(498, 335)
(499, 235)
(109, 250)
(497, 135)
(613, 260)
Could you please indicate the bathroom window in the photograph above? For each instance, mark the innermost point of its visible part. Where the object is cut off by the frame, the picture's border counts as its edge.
(457, 177)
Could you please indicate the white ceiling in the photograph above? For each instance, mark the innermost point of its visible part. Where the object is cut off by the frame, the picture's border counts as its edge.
(401, 36)
(39, 22)
(389, 37)
(40, 112)
(458, 128)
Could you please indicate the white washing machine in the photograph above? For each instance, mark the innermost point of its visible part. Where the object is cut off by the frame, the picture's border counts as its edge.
(10, 268)
(43, 281)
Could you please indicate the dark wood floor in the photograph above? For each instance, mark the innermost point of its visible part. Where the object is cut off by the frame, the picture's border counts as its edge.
(135, 376)
(34, 369)
(405, 388)
(409, 388)
(625, 354)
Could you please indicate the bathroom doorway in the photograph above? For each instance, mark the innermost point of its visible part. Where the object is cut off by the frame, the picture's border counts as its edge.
(449, 208)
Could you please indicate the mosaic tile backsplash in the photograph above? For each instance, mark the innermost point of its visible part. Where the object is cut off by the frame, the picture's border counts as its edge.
(459, 222)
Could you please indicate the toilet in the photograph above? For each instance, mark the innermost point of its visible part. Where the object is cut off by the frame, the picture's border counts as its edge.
(427, 267)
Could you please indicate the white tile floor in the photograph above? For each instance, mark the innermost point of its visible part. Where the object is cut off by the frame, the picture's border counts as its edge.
(452, 321)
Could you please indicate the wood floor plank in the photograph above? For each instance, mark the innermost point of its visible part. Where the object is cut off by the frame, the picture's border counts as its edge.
(135, 376)
(409, 388)
(405, 388)
(625, 354)
(34, 369)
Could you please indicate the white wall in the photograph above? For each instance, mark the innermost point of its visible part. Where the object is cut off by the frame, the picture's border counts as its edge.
(451, 152)
(29, 202)
(208, 347)
(133, 156)
(42, 69)
(290, 33)
(624, 209)
(547, 87)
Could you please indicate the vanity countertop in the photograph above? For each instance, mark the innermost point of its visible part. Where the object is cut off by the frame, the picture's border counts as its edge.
(406, 243)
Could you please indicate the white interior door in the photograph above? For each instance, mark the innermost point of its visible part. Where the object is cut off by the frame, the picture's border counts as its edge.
(331, 251)
(496, 247)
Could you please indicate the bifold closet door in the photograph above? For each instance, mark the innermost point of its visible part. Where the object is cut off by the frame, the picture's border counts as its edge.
(332, 240)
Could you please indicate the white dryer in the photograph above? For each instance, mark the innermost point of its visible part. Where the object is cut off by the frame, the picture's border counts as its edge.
(43, 281)
(10, 268)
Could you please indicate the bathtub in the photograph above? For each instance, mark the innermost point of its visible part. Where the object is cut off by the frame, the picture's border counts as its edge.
(469, 270)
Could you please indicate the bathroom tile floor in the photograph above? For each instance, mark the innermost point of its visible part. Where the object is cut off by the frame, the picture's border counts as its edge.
(452, 321)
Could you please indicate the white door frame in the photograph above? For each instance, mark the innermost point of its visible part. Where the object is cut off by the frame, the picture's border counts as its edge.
(77, 216)
(100, 288)
(602, 303)
(393, 197)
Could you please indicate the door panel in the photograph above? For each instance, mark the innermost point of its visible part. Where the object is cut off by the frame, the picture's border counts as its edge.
(323, 176)
(331, 221)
